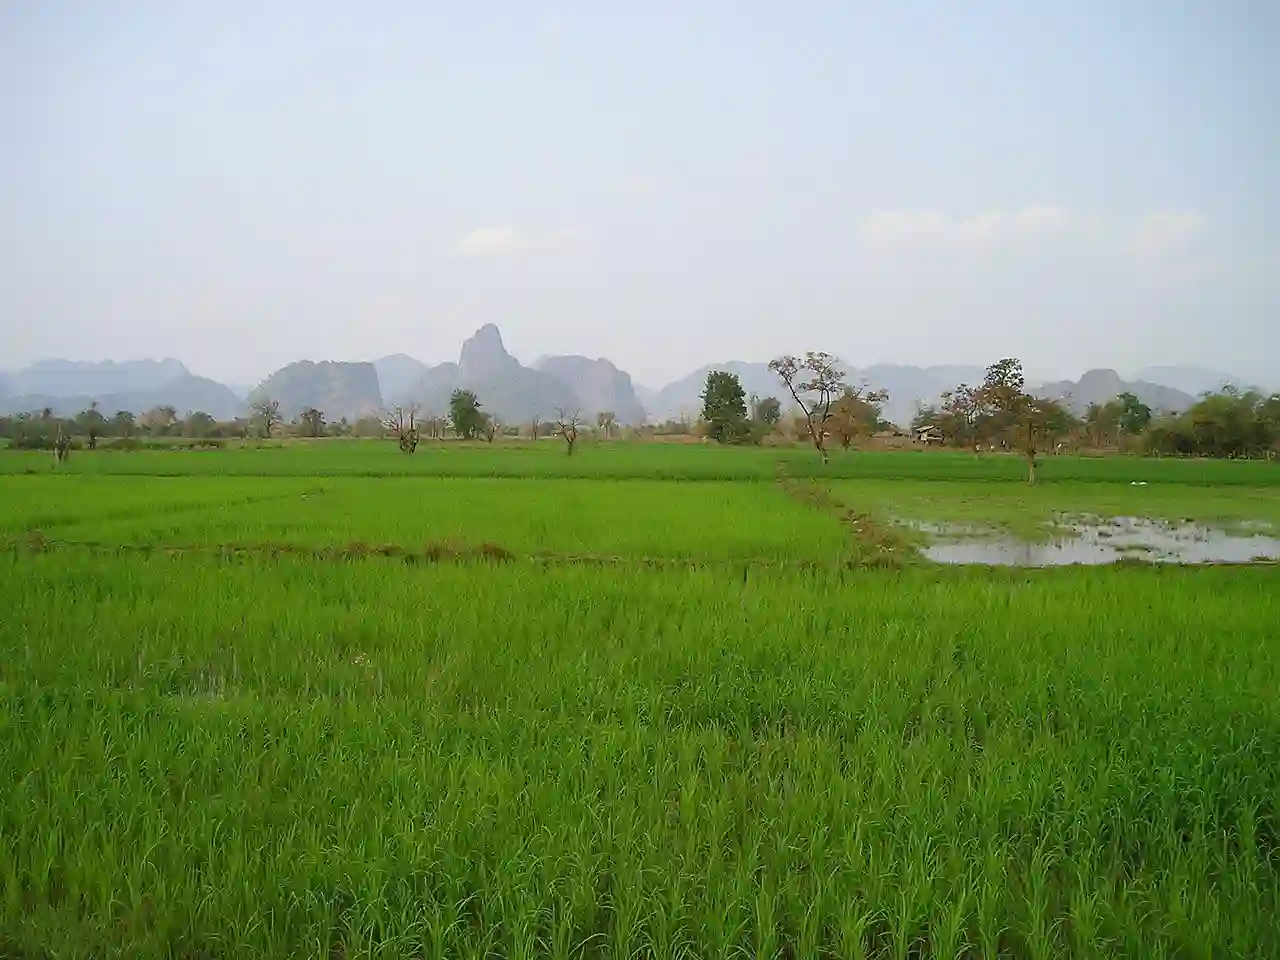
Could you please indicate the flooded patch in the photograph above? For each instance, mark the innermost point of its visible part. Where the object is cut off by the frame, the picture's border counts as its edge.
(1100, 540)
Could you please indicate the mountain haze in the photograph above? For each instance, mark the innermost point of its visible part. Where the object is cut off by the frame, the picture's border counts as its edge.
(186, 394)
(1099, 386)
(398, 375)
(683, 398)
(1193, 380)
(337, 388)
(599, 386)
(515, 392)
(908, 387)
(66, 378)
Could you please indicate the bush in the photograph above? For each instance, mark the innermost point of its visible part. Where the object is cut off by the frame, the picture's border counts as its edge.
(38, 441)
(123, 443)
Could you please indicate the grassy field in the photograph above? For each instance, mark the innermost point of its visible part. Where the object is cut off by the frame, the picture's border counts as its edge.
(574, 518)
(282, 703)
(629, 461)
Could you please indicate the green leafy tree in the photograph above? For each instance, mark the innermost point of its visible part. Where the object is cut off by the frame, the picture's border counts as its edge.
(724, 407)
(1231, 423)
(959, 414)
(1102, 423)
(91, 423)
(123, 423)
(1006, 412)
(1002, 401)
(465, 414)
(1134, 416)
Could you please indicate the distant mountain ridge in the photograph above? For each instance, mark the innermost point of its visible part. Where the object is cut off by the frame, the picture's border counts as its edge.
(908, 387)
(398, 375)
(515, 392)
(1192, 380)
(336, 388)
(1099, 386)
(598, 384)
(506, 389)
(186, 394)
(64, 378)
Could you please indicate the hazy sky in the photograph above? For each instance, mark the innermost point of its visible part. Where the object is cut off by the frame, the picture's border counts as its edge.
(243, 184)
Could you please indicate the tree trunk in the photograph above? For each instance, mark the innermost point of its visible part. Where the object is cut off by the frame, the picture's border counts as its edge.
(816, 437)
(1031, 469)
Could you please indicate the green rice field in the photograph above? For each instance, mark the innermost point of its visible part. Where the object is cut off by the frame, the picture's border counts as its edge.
(651, 701)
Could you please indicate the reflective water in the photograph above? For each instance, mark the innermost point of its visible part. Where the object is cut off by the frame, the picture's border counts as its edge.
(1099, 540)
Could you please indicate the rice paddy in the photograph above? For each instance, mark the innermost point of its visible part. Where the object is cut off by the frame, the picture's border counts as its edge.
(329, 701)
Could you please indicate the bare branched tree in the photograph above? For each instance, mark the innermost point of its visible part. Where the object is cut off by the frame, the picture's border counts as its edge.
(567, 424)
(491, 428)
(62, 445)
(266, 414)
(402, 423)
(815, 383)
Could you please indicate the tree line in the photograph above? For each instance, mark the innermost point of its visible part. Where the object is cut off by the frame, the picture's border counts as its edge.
(1229, 423)
(998, 413)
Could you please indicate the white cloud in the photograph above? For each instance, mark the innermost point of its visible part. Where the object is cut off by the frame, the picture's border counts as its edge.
(906, 228)
(508, 239)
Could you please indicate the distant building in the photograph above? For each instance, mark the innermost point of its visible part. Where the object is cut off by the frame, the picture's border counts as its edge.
(929, 436)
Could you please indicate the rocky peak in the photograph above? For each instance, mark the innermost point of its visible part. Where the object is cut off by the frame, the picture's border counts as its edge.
(1102, 381)
(483, 355)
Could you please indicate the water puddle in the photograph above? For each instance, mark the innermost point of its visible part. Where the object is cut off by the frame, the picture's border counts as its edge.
(1100, 540)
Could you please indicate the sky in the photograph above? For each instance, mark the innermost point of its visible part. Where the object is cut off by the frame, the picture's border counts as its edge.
(666, 184)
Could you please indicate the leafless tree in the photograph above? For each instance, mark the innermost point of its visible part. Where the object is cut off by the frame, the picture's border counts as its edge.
(62, 445)
(815, 383)
(402, 423)
(266, 412)
(491, 428)
(312, 422)
(606, 420)
(567, 424)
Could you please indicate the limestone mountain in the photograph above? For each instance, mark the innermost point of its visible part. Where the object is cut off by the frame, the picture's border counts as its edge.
(1099, 386)
(599, 386)
(185, 393)
(72, 378)
(510, 391)
(398, 376)
(1190, 380)
(683, 397)
(338, 389)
